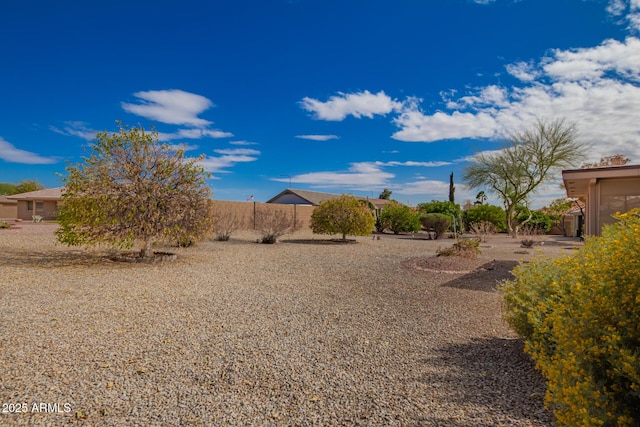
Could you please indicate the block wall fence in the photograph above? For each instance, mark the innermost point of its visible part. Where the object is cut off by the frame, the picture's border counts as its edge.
(301, 214)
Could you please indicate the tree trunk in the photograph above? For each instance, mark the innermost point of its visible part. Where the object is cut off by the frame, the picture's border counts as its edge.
(146, 251)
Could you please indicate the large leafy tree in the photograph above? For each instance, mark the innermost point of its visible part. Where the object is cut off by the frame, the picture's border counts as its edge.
(23, 186)
(344, 215)
(526, 162)
(132, 190)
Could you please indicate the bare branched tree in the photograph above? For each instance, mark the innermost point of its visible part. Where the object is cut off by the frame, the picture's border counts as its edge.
(227, 222)
(516, 171)
(273, 224)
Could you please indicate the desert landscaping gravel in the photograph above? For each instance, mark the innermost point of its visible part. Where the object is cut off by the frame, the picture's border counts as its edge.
(303, 332)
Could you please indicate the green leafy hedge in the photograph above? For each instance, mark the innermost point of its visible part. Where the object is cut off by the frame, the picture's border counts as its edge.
(580, 318)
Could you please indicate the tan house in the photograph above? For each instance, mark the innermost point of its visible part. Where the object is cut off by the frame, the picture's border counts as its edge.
(8, 208)
(39, 203)
(607, 190)
(292, 196)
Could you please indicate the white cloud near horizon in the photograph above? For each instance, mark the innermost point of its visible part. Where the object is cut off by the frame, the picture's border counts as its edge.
(174, 106)
(598, 88)
(9, 153)
(413, 164)
(359, 104)
(318, 137)
(361, 175)
(229, 158)
(76, 128)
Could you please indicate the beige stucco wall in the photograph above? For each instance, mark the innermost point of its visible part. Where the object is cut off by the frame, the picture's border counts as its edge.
(48, 209)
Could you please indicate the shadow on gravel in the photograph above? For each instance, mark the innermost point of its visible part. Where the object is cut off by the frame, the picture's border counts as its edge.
(486, 278)
(52, 259)
(491, 377)
(320, 241)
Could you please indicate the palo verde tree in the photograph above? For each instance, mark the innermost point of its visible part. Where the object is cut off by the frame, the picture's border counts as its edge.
(133, 190)
(345, 215)
(526, 162)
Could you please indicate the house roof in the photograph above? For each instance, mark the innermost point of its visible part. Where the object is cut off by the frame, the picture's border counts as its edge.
(314, 198)
(576, 181)
(4, 200)
(46, 194)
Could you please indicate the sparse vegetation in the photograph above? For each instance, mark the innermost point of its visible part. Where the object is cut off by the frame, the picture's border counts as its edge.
(482, 230)
(226, 223)
(465, 248)
(273, 224)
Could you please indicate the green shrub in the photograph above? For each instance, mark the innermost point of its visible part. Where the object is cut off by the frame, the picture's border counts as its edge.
(399, 218)
(4, 224)
(467, 248)
(345, 215)
(449, 208)
(539, 221)
(581, 323)
(485, 213)
(439, 223)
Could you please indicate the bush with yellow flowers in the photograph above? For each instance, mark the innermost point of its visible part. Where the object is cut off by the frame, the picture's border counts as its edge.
(580, 318)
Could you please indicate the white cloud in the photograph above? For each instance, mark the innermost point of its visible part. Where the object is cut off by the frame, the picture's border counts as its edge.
(318, 137)
(628, 11)
(193, 133)
(359, 104)
(413, 164)
(484, 1)
(417, 127)
(598, 88)
(76, 128)
(237, 151)
(174, 107)
(229, 158)
(362, 175)
(9, 153)
(242, 143)
(524, 71)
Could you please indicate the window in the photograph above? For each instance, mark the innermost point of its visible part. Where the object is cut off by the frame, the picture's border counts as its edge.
(620, 195)
(39, 206)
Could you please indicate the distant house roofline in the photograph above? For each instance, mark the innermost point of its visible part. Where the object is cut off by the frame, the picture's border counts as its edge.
(316, 197)
(46, 194)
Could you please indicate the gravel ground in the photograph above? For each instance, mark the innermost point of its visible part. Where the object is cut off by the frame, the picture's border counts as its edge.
(304, 332)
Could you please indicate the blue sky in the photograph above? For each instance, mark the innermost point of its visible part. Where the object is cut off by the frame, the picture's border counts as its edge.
(347, 96)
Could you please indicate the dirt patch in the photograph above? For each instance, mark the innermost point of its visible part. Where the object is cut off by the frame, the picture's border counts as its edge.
(445, 264)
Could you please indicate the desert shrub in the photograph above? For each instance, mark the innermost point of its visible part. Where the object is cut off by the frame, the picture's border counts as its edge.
(345, 215)
(482, 230)
(226, 223)
(467, 248)
(449, 208)
(485, 213)
(580, 320)
(399, 218)
(439, 223)
(273, 224)
(4, 224)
